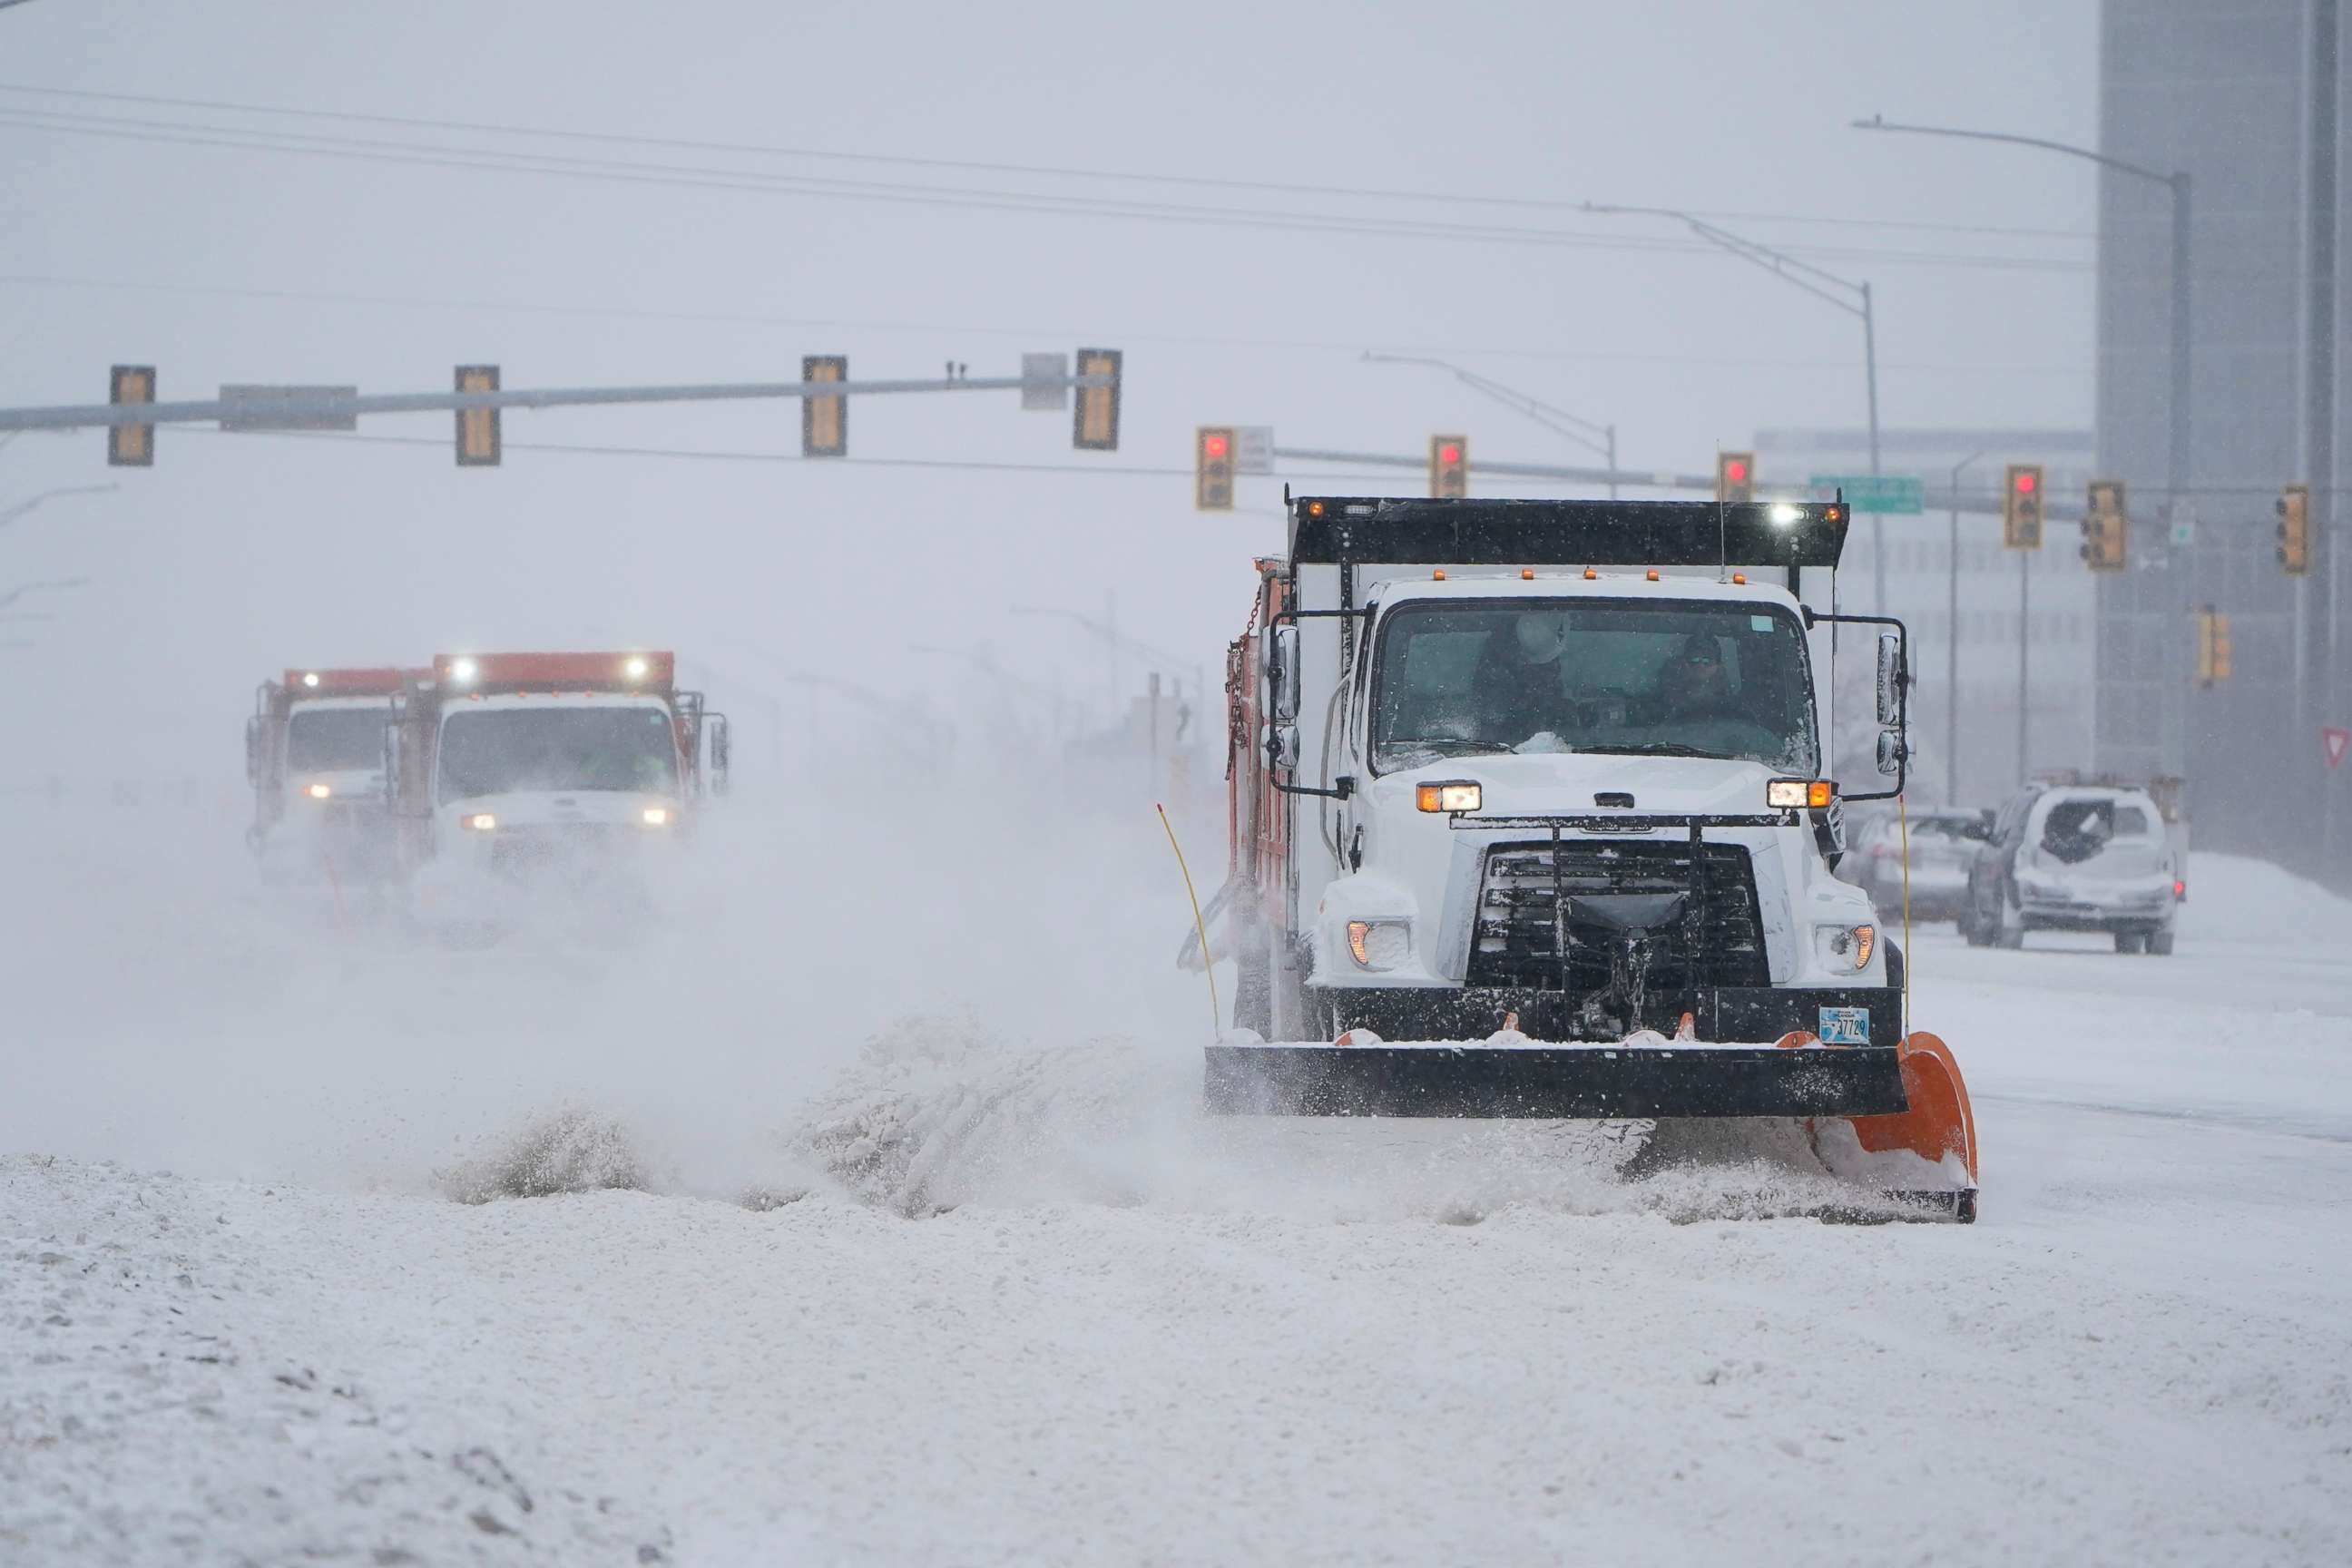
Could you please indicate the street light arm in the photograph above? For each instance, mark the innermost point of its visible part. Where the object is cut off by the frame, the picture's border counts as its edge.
(27, 506)
(1559, 421)
(1788, 268)
(1880, 122)
(1784, 266)
(1109, 633)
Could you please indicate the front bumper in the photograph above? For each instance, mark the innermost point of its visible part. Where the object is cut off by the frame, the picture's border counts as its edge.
(2078, 909)
(1552, 1083)
(1721, 1013)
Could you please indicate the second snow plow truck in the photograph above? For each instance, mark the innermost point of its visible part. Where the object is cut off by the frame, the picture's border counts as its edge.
(520, 775)
(314, 756)
(1529, 818)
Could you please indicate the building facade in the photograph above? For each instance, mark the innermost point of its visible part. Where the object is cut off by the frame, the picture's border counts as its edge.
(2244, 98)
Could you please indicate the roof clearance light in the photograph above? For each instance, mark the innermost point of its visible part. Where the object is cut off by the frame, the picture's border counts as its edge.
(656, 816)
(1591, 576)
(1315, 509)
(1784, 515)
(1526, 574)
(1833, 513)
(319, 791)
(1438, 575)
(463, 670)
(311, 679)
(1652, 574)
(1459, 796)
(636, 668)
(1739, 579)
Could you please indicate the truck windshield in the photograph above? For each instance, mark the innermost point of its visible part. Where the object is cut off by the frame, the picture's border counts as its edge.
(335, 740)
(493, 750)
(1662, 678)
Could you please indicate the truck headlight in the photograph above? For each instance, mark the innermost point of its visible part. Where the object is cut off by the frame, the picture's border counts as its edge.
(1380, 945)
(1793, 794)
(318, 792)
(1845, 947)
(1458, 795)
(478, 821)
(656, 816)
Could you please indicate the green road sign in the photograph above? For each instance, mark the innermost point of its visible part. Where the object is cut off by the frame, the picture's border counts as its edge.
(1874, 492)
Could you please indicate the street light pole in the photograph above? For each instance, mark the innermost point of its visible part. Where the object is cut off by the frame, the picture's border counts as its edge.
(1559, 421)
(1952, 641)
(1854, 300)
(2177, 436)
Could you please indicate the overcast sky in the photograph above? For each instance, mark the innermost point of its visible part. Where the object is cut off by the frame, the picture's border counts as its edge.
(129, 239)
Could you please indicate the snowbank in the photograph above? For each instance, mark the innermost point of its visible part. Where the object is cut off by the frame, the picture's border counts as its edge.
(2234, 899)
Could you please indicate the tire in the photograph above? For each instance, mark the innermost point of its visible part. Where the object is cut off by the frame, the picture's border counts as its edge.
(2131, 941)
(2007, 925)
(1254, 988)
(2159, 943)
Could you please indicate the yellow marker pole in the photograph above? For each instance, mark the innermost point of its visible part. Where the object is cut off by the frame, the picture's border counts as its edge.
(1208, 964)
(1903, 816)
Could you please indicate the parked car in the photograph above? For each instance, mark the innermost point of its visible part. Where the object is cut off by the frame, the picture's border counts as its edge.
(1944, 842)
(2075, 856)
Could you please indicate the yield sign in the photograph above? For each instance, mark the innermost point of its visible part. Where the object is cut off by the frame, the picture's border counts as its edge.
(2334, 740)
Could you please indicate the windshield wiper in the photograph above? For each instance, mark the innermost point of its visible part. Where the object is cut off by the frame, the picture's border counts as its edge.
(1654, 749)
(1444, 748)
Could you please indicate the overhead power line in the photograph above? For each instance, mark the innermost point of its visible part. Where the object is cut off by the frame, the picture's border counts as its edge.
(825, 188)
(1036, 334)
(969, 165)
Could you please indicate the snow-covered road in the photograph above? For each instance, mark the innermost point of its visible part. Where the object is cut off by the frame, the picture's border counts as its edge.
(1132, 1338)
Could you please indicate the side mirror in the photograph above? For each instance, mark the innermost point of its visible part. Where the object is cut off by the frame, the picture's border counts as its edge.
(1282, 748)
(1285, 674)
(1890, 681)
(1893, 751)
(722, 750)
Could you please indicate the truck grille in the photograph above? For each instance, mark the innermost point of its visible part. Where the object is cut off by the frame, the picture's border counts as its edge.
(1517, 943)
(536, 850)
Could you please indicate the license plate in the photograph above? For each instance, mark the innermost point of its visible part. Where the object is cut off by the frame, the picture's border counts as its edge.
(1845, 1025)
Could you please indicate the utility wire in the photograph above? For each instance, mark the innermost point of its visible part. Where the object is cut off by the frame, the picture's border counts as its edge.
(1042, 170)
(691, 177)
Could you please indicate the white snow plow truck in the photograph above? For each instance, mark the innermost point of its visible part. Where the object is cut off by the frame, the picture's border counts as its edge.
(518, 777)
(1529, 818)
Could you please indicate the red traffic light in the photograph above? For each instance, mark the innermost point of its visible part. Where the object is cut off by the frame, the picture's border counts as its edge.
(1736, 472)
(2025, 483)
(1449, 453)
(1212, 446)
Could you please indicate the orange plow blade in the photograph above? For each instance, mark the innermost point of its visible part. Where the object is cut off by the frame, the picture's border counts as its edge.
(1907, 1154)
(1940, 1121)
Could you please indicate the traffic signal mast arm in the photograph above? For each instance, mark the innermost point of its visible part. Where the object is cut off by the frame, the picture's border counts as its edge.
(339, 405)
